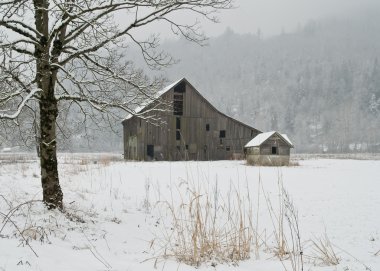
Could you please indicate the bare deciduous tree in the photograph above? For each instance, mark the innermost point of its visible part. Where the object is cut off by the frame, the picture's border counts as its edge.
(69, 52)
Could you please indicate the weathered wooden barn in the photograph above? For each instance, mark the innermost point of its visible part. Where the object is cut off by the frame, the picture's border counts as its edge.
(193, 129)
(269, 149)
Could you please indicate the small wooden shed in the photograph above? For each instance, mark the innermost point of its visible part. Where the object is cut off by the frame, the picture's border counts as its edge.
(269, 149)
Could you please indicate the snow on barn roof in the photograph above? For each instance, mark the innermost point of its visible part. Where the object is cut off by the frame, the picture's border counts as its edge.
(139, 110)
(261, 138)
(156, 96)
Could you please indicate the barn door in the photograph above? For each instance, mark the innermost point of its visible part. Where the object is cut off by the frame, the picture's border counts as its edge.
(150, 151)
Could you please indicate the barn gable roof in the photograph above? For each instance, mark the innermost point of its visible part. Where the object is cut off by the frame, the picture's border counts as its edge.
(261, 138)
(140, 109)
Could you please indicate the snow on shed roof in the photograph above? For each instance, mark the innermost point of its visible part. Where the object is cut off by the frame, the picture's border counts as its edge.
(261, 138)
(156, 96)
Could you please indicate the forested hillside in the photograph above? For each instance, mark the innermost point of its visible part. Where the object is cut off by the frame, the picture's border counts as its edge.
(320, 85)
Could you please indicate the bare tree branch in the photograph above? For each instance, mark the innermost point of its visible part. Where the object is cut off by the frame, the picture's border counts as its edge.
(20, 106)
(56, 55)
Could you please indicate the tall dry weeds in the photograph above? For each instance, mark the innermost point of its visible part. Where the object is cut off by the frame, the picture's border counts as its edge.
(323, 251)
(286, 228)
(205, 227)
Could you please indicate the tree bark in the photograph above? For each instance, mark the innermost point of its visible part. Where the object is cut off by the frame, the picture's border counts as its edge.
(52, 193)
(46, 78)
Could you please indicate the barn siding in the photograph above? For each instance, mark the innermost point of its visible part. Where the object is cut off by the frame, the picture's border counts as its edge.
(195, 143)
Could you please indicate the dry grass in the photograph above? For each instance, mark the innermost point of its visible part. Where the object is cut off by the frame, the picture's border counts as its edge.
(323, 252)
(13, 158)
(206, 228)
(270, 162)
(286, 229)
(294, 163)
(209, 227)
(83, 162)
(353, 156)
(294, 244)
(104, 159)
(76, 169)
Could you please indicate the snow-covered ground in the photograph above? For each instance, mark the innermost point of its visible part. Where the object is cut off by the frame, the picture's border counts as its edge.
(114, 218)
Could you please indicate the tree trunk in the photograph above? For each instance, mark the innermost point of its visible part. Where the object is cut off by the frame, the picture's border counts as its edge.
(52, 193)
(46, 78)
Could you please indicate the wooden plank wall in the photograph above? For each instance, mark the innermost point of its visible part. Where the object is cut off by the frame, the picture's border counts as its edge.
(266, 147)
(196, 143)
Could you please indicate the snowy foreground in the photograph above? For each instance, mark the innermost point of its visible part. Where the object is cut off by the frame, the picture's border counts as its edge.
(117, 214)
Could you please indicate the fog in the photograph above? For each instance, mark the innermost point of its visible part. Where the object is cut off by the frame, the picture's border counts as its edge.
(275, 16)
(318, 82)
(271, 17)
(313, 72)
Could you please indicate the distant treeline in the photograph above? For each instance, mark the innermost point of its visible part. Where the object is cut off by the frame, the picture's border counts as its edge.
(320, 85)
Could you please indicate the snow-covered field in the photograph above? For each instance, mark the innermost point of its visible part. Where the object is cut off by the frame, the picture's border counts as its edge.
(114, 217)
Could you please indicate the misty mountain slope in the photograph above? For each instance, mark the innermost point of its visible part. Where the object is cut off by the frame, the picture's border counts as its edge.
(321, 85)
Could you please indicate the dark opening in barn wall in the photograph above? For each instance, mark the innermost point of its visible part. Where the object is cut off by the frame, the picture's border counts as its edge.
(207, 127)
(274, 150)
(177, 135)
(178, 123)
(180, 88)
(222, 134)
(178, 108)
(178, 104)
(150, 151)
(205, 151)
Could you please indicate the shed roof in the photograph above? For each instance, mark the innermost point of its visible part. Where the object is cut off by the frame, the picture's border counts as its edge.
(261, 138)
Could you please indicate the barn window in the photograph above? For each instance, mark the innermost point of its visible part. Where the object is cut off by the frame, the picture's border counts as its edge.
(187, 147)
(180, 88)
(178, 123)
(274, 150)
(178, 105)
(228, 148)
(178, 108)
(177, 135)
(222, 133)
(207, 127)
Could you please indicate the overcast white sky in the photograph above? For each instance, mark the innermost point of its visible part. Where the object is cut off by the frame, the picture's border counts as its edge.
(273, 16)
